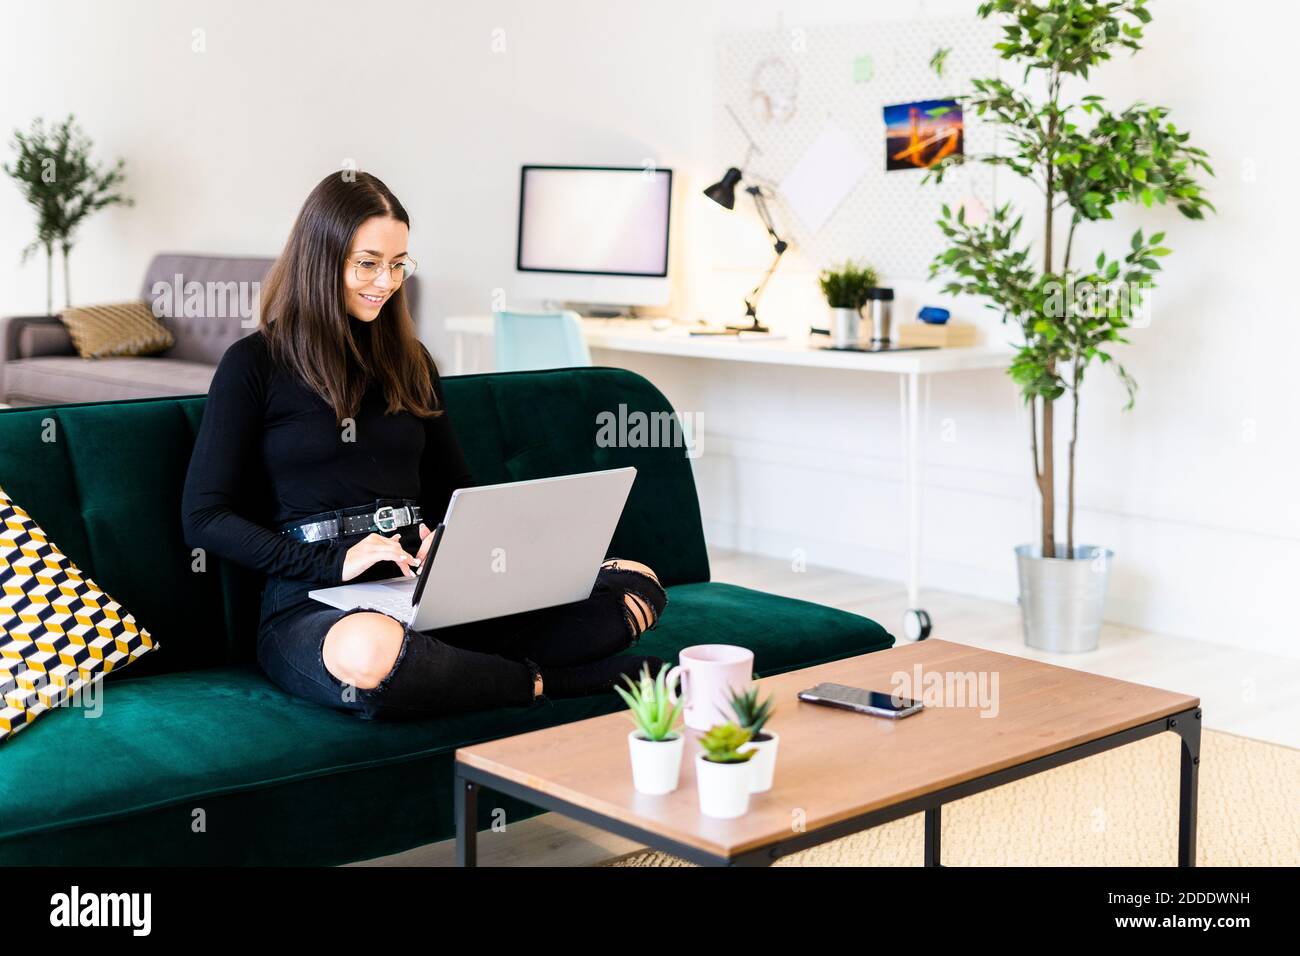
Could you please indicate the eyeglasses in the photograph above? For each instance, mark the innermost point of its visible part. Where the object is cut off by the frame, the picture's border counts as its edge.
(367, 269)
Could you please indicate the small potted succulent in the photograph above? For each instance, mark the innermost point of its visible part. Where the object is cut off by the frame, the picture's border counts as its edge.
(752, 713)
(655, 745)
(723, 772)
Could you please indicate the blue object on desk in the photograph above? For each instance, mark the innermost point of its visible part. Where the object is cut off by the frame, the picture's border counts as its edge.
(933, 315)
(531, 340)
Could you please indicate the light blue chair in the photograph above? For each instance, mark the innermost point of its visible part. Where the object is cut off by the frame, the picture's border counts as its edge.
(531, 340)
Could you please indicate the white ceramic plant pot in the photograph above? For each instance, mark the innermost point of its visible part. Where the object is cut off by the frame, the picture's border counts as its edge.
(656, 764)
(724, 787)
(763, 762)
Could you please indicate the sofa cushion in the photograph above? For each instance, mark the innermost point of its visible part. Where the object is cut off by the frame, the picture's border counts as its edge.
(43, 339)
(122, 328)
(58, 631)
(784, 633)
(69, 378)
(229, 741)
(533, 424)
(105, 482)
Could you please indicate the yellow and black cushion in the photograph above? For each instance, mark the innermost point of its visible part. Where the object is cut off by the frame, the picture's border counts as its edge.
(127, 328)
(58, 631)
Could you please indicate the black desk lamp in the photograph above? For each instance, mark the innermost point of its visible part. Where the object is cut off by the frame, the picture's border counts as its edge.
(724, 194)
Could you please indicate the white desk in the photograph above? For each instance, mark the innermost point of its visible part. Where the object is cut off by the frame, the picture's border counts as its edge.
(636, 335)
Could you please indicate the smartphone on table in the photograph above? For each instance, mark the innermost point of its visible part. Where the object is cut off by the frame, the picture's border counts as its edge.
(874, 702)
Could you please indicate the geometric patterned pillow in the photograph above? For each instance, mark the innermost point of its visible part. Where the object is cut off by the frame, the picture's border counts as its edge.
(98, 331)
(58, 631)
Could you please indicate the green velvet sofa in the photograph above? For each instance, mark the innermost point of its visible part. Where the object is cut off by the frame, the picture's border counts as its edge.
(197, 758)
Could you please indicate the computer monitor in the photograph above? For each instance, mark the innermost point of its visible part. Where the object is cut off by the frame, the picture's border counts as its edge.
(594, 235)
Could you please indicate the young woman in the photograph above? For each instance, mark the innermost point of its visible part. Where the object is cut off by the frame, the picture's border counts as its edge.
(332, 410)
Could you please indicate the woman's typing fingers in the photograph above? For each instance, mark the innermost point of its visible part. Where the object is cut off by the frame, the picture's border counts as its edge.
(390, 549)
(425, 544)
(373, 549)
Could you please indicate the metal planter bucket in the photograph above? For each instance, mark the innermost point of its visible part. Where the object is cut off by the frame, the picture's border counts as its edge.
(846, 328)
(1061, 599)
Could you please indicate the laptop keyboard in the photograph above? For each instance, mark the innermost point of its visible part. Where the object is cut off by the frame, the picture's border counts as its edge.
(397, 604)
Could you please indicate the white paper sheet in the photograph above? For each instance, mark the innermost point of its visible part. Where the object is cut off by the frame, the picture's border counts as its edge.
(824, 176)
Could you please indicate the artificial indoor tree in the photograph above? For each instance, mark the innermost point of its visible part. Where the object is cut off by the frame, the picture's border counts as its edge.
(1085, 160)
(57, 177)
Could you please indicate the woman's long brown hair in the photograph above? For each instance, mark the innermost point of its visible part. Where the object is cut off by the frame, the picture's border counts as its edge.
(305, 319)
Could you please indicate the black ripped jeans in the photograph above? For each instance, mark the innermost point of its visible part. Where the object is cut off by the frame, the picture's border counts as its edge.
(450, 670)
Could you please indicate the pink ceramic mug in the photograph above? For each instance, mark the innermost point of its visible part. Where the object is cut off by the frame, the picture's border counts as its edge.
(710, 673)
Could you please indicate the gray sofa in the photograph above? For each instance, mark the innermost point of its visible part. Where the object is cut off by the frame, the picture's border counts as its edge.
(39, 366)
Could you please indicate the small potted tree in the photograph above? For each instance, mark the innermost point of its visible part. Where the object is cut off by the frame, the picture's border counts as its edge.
(61, 182)
(846, 288)
(723, 772)
(654, 743)
(751, 714)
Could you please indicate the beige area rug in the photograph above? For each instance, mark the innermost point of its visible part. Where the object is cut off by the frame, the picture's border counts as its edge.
(1119, 808)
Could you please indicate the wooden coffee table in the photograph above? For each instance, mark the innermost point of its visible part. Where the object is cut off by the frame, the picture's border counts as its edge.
(838, 772)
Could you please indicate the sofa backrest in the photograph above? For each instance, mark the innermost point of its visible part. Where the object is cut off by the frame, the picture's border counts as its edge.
(207, 323)
(105, 481)
(207, 318)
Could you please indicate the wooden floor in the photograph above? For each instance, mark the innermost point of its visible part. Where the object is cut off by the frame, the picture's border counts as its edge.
(1242, 692)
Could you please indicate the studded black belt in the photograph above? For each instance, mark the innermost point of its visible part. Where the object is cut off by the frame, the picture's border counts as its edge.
(384, 516)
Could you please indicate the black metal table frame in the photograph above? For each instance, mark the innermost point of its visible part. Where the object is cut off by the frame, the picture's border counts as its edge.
(1186, 723)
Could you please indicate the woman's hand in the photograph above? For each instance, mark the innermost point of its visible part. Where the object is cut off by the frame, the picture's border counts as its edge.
(374, 548)
(426, 539)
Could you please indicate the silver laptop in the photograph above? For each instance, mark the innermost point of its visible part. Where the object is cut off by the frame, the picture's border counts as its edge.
(502, 549)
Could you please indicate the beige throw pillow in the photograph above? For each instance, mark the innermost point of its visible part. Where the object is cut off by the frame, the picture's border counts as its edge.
(127, 328)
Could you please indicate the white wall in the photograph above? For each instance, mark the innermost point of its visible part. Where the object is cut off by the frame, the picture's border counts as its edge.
(1194, 488)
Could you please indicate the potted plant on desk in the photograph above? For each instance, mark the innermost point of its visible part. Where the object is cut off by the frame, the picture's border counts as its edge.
(1068, 316)
(723, 773)
(655, 745)
(846, 289)
(752, 714)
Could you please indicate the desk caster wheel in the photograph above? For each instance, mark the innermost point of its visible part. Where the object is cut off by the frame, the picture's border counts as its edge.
(916, 624)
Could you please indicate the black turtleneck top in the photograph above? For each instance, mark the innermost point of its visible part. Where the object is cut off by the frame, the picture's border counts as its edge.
(269, 452)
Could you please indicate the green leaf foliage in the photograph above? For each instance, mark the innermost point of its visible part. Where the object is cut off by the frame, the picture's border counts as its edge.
(751, 711)
(649, 706)
(54, 171)
(1085, 159)
(722, 741)
(57, 177)
(1084, 170)
(846, 286)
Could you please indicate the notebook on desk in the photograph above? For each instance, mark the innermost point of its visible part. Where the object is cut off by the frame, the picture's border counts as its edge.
(878, 347)
(739, 336)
